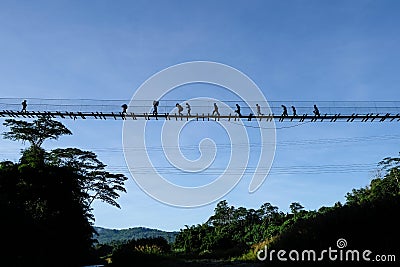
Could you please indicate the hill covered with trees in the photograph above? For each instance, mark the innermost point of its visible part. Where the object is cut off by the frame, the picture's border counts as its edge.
(105, 235)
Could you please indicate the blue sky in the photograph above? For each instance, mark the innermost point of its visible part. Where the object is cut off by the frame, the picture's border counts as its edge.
(293, 51)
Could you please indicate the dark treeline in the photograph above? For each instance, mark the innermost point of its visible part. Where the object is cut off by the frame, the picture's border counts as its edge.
(46, 197)
(231, 231)
(367, 220)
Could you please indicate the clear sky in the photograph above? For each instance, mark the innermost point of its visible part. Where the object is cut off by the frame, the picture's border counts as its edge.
(293, 50)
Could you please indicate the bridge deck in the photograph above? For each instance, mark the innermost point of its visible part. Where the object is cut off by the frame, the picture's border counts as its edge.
(370, 117)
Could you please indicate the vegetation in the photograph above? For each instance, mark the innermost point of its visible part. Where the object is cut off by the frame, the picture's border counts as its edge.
(148, 251)
(232, 234)
(365, 221)
(105, 236)
(47, 219)
(46, 198)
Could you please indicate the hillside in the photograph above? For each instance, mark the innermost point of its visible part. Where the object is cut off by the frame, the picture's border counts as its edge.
(109, 235)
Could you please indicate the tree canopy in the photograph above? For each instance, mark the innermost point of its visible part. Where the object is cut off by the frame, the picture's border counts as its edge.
(366, 219)
(47, 196)
(35, 132)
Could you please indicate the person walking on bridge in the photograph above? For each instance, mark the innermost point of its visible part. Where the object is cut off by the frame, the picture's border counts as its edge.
(215, 111)
(155, 107)
(238, 110)
(259, 110)
(294, 111)
(284, 113)
(24, 105)
(124, 108)
(188, 108)
(180, 109)
(316, 111)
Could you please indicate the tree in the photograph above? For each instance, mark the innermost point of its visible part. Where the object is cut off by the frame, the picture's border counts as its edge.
(357, 196)
(223, 214)
(392, 167)
(35, 132)
(295, 207)
(365, 218)
(47, 197)
(95, 182)
(381, 187)
(268, 211)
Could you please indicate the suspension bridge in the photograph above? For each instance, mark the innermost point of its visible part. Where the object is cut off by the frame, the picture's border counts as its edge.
(201, 110)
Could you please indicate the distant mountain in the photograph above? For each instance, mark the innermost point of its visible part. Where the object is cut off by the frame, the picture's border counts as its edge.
(110, 235)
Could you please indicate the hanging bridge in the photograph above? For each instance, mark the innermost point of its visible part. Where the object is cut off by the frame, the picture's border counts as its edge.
(202, 110)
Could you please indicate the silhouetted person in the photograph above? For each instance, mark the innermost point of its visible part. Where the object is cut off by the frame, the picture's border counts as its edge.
(215, 110)
(259, 110)
(238, 110)
(294, 111)
(284, 112)
(24, 105)
(316, 111)
(124, 108)
(180, 109)
(188, 108)
(155, 107)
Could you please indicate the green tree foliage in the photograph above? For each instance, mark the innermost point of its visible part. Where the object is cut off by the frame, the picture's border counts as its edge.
(94, 181)
(366, 221)
(144, 251)
(45, 198)
(230, 231)
(295, 207)
(379, 188)
(35, 132)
